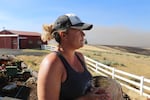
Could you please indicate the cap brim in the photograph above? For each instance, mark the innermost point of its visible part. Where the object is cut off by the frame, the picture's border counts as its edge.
(83, 26)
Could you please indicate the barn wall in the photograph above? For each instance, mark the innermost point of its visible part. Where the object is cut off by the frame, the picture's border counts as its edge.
(30, 42)
(14, 42)
(8, 42)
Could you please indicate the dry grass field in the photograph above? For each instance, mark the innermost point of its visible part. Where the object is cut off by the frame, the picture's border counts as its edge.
(133, 61)
(129, 59)
(136, 61)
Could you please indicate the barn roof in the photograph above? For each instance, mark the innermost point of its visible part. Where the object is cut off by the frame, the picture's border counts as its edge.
(25, 33)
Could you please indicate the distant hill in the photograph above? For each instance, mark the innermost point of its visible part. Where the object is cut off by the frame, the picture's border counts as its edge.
(129, 49)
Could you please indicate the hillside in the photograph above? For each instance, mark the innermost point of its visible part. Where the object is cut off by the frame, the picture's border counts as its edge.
(130, 59)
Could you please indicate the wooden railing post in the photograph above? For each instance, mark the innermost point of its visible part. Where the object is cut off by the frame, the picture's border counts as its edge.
(96, 67)
(113, 73)
(141, 85)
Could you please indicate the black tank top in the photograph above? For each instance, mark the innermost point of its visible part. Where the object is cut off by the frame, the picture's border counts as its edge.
(77, 83)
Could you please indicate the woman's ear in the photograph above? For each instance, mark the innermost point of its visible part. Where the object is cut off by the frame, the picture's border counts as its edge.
(62, 34)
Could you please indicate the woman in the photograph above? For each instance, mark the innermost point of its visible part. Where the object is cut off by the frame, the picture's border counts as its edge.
(63, 74)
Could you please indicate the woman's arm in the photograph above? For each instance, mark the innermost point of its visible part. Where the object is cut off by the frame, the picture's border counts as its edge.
(49, 78)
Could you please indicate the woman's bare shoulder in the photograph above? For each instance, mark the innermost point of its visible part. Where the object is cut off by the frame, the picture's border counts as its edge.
(51, 62)
(50, 58)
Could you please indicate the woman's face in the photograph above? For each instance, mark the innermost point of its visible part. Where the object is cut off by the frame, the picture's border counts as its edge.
(75, 37)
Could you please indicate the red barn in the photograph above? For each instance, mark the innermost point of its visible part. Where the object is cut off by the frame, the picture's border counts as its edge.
(20, 39)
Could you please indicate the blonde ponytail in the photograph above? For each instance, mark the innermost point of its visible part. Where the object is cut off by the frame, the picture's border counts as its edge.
(47, 34)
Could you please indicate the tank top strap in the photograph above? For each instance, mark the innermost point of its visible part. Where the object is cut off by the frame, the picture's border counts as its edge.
(66, 64)
(64, 61)
(81, 61)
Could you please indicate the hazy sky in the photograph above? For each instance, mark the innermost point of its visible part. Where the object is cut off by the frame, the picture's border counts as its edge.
(118, 22)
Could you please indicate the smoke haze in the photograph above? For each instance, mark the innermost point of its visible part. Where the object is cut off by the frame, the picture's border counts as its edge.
(118, 36)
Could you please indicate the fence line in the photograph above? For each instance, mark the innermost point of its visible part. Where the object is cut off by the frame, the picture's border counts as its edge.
(133, 82)
(48, 47)
(136, 83)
